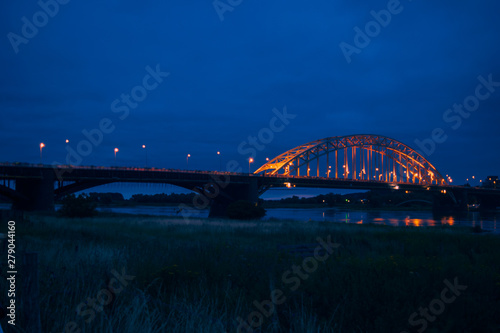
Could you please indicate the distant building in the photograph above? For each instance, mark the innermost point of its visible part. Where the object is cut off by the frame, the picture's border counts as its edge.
(491, 182)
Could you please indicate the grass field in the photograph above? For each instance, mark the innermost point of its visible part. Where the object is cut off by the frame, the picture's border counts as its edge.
(150, 274)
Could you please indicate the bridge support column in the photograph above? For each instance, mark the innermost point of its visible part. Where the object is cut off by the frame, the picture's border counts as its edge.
(232, 193)
(40, 192)
(452, 201)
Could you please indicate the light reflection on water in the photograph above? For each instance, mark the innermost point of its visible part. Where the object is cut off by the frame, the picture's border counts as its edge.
(487, 221)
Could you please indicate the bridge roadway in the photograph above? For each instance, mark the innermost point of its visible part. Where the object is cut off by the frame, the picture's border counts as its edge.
(38, 185)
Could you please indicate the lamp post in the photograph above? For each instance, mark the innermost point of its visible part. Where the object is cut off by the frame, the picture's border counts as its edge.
(41, 147)
(144, 147)
(115, 150)
(220, 161)
(69, 152)
(187, 160)
(250, 160)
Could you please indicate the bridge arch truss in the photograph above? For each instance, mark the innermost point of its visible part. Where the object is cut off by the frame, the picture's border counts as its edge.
(363, 157)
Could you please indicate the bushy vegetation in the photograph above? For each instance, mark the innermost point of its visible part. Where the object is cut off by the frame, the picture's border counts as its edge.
(78, 206)
(372, 199)
(201, 275)
(160, 198)
(322, 199)
(106, 198)
(175, 198)
(245, 210)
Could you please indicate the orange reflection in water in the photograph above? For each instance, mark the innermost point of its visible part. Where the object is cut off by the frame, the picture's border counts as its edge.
(429, 222)
(450, 220)
(407, 221)
(394, 222)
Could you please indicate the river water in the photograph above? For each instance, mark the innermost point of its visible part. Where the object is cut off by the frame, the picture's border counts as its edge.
(487, 221)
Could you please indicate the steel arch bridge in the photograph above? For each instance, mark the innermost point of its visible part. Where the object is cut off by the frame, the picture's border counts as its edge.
(364, 157)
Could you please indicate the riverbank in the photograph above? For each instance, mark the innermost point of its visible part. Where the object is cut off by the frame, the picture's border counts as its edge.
(204, 274)
(354, 206)
(272, 204)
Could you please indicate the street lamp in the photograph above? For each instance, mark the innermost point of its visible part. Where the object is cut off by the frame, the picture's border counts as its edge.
(220, 161)
(116, 150)
(69, 153)
(250, 160)
(144, 147)
(41, 147)
(187, 160)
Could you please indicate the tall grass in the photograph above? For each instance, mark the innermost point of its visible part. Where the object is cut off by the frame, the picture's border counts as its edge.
(202, 275)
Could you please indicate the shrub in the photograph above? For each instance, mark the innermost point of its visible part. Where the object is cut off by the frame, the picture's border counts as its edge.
(81, 206)
(245, 210)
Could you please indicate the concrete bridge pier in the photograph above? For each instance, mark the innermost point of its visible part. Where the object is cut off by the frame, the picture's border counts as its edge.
(452, 201)
(39, 192)
(232, 193)
(462, 199)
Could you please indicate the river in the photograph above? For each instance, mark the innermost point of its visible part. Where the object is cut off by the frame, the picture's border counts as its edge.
(487, 221)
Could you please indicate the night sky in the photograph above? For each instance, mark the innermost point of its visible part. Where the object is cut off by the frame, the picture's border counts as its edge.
(199, 77)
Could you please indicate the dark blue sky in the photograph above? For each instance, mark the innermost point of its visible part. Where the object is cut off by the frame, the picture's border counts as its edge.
(226, 77)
